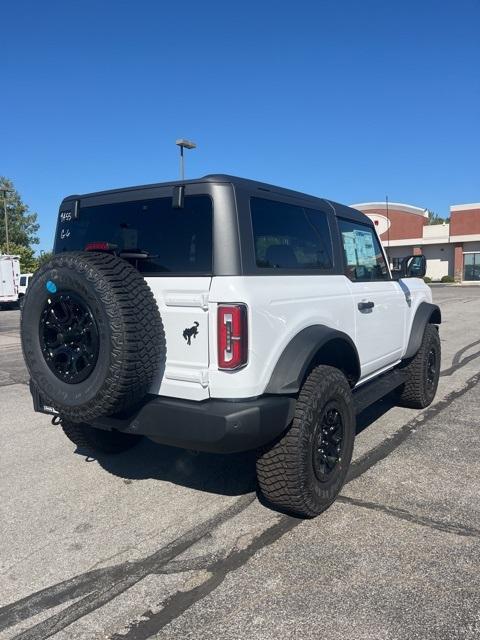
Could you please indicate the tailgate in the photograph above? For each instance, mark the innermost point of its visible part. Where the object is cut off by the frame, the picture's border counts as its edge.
(183, 305)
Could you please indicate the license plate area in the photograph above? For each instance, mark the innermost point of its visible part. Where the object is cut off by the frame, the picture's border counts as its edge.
(38, 403)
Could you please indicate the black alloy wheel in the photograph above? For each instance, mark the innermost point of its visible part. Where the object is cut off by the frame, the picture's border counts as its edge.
(431, 367)
(69, 337)
(328, 442)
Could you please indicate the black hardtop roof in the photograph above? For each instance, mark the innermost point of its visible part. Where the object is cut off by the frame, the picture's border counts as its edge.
(245, 183)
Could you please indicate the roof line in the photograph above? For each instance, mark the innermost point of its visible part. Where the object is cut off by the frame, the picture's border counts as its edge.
(381, 204)
(465, 207)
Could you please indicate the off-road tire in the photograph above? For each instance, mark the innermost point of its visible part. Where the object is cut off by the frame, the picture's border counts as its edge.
(285, 471)
(130, 333)
(98, 440)
(418, 391)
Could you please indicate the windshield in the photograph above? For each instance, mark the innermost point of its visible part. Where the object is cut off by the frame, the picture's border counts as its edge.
(171, 241)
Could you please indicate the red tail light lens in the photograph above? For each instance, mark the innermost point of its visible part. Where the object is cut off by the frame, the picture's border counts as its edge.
(232, 336)
(100, 246)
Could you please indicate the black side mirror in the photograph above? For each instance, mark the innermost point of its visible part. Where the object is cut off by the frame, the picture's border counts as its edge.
(411, 267)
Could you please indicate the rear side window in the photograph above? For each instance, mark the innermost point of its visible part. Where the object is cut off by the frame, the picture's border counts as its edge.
(23, 281)
(174, 241)
(364, 260)
(287, 236)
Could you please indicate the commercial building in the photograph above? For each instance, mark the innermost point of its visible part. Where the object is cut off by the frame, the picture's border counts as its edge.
(451, 249)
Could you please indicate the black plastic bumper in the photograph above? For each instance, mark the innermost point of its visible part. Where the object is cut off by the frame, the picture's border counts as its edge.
(217, 426)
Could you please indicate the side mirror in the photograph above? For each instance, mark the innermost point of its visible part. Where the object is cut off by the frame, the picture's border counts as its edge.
(411, 267)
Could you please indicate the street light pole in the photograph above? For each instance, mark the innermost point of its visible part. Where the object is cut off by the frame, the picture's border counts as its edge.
(5, 191)
(184, 144)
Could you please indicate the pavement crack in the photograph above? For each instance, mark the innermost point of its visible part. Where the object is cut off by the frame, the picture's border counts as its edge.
(403, 514)
(151, 623)
(384, 449)
(102, 585)
(456, 363)
(95, 588)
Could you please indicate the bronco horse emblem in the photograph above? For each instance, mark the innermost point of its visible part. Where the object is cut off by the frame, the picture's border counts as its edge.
(188, 334)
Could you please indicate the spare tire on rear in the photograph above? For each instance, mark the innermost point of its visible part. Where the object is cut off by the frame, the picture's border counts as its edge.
(92, 336)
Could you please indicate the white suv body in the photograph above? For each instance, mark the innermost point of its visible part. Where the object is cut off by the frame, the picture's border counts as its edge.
(262, 294)
(278, 310)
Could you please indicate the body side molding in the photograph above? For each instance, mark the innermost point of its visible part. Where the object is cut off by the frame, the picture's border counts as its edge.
(425, 314)
(298, 355)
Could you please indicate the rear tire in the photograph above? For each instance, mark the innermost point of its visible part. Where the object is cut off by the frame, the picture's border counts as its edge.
(423, 372)
(98, 440)
(294, 473)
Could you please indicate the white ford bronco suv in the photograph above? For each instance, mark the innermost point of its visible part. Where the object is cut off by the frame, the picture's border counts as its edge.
(226, 315)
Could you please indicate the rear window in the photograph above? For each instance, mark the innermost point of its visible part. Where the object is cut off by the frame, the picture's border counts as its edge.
(287, 236)
(175, 241)
(23, 281)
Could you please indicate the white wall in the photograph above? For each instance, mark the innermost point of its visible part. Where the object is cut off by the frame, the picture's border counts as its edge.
(439, 260)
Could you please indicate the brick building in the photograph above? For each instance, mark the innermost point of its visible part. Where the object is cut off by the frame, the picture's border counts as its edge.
(450, 249)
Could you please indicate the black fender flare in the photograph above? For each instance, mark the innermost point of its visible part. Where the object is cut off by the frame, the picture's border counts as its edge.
(427, 313)
(300, 352)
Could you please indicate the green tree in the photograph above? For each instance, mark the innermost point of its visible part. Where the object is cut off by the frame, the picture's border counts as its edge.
(28, 261)
(22, 224)
(433, 218)
(43, 258)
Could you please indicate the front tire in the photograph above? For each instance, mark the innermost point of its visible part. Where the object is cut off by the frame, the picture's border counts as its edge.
(98, 440)
(423, 372)
(303, 472)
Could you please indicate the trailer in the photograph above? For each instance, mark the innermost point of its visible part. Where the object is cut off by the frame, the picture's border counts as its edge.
(9, 279)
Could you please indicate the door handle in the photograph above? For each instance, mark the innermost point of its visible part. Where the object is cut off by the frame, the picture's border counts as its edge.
(363, 306)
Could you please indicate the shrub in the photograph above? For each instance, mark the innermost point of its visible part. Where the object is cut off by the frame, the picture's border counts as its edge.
(447, 279)
(427, 279)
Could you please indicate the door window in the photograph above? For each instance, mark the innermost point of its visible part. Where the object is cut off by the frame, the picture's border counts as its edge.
(363, 255)
(287, 236)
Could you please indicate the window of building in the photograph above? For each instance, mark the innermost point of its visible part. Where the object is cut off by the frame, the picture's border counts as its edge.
(471, 266)
(364, 260)
(287, 236)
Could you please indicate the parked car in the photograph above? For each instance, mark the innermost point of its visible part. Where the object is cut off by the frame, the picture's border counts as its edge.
(22, 289)
(224, 315)
(9, 280)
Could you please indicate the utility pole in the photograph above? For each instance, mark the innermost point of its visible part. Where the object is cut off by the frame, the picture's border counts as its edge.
(184, 144)
(4, 192)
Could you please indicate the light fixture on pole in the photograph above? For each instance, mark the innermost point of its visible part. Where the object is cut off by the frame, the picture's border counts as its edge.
(184, 144)
(4, 193)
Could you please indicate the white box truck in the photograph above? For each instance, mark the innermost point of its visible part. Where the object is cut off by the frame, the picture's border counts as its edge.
(9, 279)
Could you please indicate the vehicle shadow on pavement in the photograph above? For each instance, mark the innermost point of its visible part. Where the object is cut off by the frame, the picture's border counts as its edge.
(230, 475)
(375, 411)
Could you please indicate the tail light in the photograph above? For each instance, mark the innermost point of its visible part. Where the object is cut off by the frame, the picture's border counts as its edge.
(232, 336)
(100, 246)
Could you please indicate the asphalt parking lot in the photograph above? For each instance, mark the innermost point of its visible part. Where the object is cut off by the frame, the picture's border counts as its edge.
(159, 542)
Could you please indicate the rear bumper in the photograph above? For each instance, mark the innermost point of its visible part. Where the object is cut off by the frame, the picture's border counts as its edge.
(218, 426)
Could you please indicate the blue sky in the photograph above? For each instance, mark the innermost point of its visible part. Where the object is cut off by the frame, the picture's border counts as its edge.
(346, 99)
